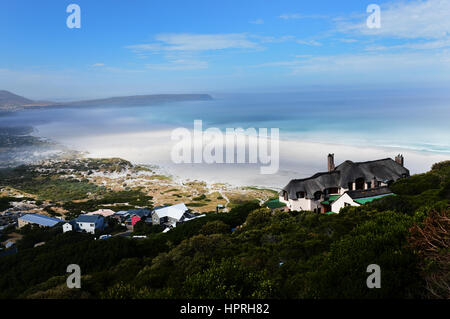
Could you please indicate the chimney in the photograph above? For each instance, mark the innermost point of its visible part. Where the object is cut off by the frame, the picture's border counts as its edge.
(399, 159)
(374, 182)
(331, 162)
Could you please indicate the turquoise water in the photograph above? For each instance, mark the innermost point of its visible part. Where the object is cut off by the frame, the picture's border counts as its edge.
(395, 119)
(354, 125)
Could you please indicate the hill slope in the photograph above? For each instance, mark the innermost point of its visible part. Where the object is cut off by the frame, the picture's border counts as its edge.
(10, 101)
(252, 252)
(138, 100)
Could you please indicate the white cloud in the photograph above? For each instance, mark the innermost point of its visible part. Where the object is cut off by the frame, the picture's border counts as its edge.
(179, 65)
(98, 64)
(309, 42)
(278, 64)
(257, 21)
(415, 66)
(296, 16)
(346, 40)
(272, 39)
(408, 20)
(387, 64)
(196, 42)
(287, 16)
(427, 45)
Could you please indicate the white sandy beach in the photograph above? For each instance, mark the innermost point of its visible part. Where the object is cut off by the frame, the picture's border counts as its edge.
(298, 159)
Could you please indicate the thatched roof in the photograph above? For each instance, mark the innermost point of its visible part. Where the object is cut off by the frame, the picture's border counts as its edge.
(382, 170)
(378, 191)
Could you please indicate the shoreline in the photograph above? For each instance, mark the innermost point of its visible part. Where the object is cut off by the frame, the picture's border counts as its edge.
(298, 159)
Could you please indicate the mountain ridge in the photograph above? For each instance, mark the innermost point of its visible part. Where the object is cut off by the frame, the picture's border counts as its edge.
(12, 102)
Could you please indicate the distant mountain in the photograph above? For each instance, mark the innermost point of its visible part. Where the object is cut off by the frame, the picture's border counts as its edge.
(141, 100)
(10, 101)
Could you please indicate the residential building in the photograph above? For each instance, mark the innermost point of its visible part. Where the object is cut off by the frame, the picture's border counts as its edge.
(170, 216)
(358, 198)
(69, 226)
(36, 219)
(135, 215)
(141, 212)
(318, 192)
(89, 223)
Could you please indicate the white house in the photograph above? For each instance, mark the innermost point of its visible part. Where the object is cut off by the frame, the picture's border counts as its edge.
(68, 227)
(358, 198)
(318, 192)
(89, 223)
(172, 215)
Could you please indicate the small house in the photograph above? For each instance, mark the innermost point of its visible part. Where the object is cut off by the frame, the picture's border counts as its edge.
(36, 219)
(172, 215)
(90, 223)
(70, 226)
(359, 197)
(121, 216)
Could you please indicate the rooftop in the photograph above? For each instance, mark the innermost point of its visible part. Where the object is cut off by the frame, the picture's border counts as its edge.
(174, 211)
(103, 212)
(364, 200)
(369, 192)
(40, 220)
(385, 169)
(330, 199)
(88, 218)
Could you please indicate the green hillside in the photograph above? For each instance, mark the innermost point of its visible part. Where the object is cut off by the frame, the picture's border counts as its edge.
(252, 252)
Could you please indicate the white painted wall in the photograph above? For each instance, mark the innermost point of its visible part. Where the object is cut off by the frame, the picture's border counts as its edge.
(67, 227)
(341, 201)
(300, 204)
(87, 227)
(90, 227)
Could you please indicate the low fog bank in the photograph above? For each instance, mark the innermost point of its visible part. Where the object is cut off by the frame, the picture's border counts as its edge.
(298, 159)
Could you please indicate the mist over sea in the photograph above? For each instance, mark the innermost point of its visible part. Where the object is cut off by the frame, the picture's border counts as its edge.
(353, 124)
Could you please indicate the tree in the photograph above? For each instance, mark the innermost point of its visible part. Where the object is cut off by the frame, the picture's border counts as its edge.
(215, 227)
(227, 279)
(258, 217)
(380, 240)
(432, 242)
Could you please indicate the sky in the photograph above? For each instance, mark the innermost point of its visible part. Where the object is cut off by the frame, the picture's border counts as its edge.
(145, 47)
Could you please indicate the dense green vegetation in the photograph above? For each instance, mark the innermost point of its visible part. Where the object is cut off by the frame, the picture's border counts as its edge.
(73, 194)
(46, 186)
(254, 252)
(121, 200)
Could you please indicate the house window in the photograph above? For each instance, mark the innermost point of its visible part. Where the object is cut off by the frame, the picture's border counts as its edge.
(350, 186)
(301, 194)
(92, 225)
(346, 204)
(285, 195)
(359, 183)
(369, 184)
(333, 190)
(317, 195)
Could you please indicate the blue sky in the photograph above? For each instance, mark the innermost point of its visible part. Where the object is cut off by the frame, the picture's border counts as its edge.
(139, 47)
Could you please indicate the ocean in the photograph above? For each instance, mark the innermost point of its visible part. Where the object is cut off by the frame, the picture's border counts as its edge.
(353, 124)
